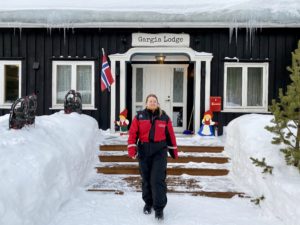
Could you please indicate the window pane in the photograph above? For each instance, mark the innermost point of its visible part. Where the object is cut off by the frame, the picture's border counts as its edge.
(138, 108)
(178, 85)
(255, 86)
(63, 82)
(177, 119)
(234, 86)
(11, 83)
(84, 83)
(139, 85)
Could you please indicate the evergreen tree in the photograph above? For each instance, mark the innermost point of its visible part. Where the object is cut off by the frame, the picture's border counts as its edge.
(263, 164)
(258, 200)
(287, 114)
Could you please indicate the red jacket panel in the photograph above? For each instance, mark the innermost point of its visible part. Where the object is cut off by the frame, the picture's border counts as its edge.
(147, 127)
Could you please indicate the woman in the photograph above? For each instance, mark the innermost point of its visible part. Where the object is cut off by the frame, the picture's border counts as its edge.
(151, 135)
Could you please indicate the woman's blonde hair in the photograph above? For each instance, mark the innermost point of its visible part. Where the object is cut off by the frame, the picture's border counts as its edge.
(154, 96)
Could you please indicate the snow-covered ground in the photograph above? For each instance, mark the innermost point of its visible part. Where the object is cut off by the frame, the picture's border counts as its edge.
(110, 209)
(44, 169)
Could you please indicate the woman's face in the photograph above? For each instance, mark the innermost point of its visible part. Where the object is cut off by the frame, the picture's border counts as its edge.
(152, 103)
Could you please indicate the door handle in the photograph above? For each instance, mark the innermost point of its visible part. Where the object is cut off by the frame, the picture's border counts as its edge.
(168, 99)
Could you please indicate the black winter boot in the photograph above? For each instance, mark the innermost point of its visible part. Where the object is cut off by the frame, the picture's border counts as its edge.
(159, 214)
(147, 209)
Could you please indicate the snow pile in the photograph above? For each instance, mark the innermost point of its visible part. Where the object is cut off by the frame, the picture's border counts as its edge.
(245, 138)
(41, 165)
(197, 13)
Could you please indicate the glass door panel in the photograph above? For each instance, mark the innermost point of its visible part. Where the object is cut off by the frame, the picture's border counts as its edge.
(178, 84)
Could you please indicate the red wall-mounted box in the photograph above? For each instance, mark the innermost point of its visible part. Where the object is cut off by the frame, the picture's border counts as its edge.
(215, 103)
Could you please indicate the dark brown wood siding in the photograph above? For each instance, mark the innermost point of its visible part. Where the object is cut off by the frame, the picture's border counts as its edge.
(41, 45)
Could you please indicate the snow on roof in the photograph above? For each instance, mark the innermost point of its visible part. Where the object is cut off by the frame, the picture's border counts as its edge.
(154, 13)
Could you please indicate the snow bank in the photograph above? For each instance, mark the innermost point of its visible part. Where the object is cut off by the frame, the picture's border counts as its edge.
(41, 165)
(245, 138)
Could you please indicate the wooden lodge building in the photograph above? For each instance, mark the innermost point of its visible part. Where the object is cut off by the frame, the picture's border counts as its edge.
(185, 61)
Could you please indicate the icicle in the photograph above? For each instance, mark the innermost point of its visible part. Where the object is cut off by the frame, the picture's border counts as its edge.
(236, 35)
(251, 30)
(252, 36)
(234, 29)
(250, 27)
(49, 29)
(20, 29)
(231, 29)
(247, 30)
(64, 35)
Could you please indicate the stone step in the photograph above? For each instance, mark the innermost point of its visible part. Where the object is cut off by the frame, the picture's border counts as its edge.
(175, 184)
(199, 171)
(182, 148)
(212, 194)
(175, 170)
(184, 159)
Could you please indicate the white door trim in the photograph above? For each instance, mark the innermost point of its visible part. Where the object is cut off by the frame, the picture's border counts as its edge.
(196, 57)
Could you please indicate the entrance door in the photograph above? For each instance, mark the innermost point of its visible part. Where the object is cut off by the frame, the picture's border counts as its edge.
(158, 81)
(168, 83)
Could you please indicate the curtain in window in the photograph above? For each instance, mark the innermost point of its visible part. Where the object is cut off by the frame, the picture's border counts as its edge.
(11, 80)
(84, 83)
(63, 82)
(234, 86)
(255, 86)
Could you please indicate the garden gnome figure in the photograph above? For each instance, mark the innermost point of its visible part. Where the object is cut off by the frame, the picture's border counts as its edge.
(207, 126)
(123, 122)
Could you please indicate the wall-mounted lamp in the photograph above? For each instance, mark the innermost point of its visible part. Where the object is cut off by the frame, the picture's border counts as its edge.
(124, 40)
(160, 58)
(36, 65)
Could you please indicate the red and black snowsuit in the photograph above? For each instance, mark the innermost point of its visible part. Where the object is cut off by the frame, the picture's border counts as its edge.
(151, 136)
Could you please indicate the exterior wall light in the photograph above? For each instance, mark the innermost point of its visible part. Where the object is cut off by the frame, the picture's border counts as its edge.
(160, 58)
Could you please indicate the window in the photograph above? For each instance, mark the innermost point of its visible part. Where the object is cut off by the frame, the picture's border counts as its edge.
(10, 82)
(246, 87)
(76, 75)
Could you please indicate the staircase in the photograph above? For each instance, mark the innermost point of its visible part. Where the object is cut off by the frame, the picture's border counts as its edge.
(199, 170)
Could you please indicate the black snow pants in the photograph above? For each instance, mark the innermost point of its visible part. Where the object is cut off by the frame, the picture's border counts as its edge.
(153, 168)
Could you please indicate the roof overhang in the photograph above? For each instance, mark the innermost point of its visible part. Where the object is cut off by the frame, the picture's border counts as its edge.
(75, 18)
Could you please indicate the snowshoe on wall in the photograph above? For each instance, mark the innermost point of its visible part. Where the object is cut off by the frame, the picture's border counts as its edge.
(23, 112)
(17, 114)
(31, 109)
(73, 102)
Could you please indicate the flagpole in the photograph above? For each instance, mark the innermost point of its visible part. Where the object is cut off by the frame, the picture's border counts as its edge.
(103, 51)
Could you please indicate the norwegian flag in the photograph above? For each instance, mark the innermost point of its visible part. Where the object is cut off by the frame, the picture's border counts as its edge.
(106, 76)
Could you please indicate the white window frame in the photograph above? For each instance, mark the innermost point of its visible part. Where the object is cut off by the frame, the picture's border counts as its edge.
(3, 104)
(244, 107)
(73, 65)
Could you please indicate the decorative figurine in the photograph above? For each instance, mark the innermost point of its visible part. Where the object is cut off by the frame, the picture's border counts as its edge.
(123, 122)
(207, 127)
